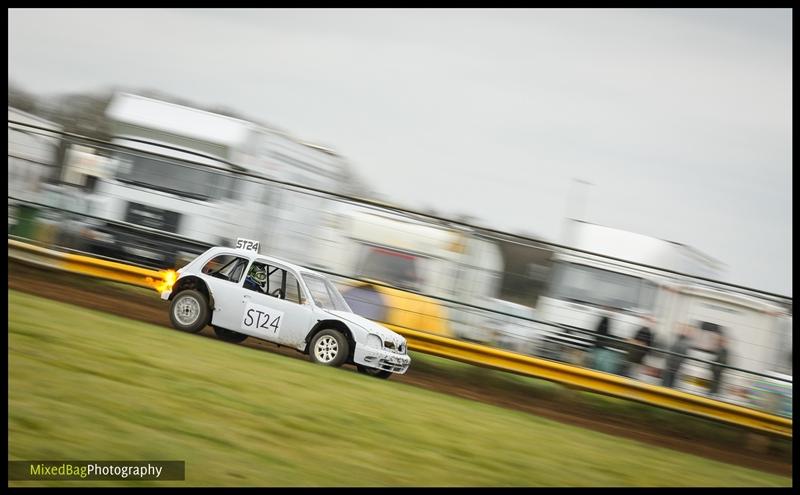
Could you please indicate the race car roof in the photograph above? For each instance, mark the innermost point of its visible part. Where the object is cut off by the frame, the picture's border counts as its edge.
(252, 254)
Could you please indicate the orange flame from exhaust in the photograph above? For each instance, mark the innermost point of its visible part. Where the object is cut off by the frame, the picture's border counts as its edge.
(168, 278)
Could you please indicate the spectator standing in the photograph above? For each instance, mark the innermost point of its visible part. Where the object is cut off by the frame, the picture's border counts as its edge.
(639, 347)
(604, 357)
(720, 359)
(679, 349)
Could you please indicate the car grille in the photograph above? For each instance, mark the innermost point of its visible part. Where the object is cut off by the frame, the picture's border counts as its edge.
(390, 366)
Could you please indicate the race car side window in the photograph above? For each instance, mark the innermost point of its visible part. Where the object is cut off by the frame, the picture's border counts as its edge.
(293, 289)
(227, 267)
(280, 278)
(276, 281)
(273, 281)
(319, 292)
(238, 270)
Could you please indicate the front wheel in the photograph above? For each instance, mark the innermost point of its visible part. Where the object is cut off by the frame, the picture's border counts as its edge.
(189, 311)
(229, 335)
(366, 370)
(329, 347)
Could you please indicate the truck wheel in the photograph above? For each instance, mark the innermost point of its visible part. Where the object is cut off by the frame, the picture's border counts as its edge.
(329, 347)
(189, 311)
(229, 335)
(366, 370)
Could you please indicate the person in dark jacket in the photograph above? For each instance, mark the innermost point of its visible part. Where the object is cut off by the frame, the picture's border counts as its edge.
(602, 331)
(679, 349)
(720, 359)
(604, 357)
(639, 347)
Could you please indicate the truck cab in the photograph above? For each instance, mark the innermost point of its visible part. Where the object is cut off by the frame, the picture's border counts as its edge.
(185, 208)
(184, 179)
(585, 286)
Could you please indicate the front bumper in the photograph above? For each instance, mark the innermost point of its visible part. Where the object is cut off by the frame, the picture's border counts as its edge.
(381, 359)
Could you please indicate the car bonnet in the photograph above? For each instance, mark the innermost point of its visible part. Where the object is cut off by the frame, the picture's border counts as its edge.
(368, 325)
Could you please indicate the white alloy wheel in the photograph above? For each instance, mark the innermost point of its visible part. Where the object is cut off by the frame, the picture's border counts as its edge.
(187, 310)
(326, 349)
(329, 347)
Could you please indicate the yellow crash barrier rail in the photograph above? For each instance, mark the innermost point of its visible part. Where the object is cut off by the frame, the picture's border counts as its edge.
(86, 265)
(409, 310)
(594, 381)
(457, 350)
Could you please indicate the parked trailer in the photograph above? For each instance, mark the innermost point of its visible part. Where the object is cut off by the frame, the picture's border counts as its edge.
(32, 162)
(758, 339)
(410, 255)
(584, 288)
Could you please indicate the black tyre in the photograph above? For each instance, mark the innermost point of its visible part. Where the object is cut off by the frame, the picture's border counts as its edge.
(229, 335)
(366, 370)
(330, 348)
(189, 311)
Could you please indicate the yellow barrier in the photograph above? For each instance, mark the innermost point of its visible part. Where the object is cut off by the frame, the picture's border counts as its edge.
(409, 310)
(594, 381)
(461, 351)
(85, 265)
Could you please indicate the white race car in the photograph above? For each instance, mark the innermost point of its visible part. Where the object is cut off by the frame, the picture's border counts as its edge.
(241, 293)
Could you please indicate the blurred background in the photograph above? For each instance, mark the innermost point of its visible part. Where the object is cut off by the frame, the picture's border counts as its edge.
(610, 190)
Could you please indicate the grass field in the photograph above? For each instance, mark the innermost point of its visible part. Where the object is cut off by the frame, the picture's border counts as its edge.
(626, 411)
(87, 385)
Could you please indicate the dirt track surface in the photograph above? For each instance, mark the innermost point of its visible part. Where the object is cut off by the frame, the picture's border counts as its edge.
(81, 291)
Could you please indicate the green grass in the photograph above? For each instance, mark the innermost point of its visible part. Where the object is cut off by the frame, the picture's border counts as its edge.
(87, 385)
(630, 412)
(658, 419)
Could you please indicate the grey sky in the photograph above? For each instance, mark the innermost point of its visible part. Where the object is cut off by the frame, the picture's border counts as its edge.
(680, 118)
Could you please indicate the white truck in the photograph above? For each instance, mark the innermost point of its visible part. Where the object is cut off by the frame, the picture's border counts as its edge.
(584, 287)
(173, 173)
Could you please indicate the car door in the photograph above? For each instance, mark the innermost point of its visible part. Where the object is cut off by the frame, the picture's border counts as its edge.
(272, 305)
(224, 275)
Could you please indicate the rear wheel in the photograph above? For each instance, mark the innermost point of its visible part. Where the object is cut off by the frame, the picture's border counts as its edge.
(366, 370)
(189, 311)
(329, 347)
(229, 335)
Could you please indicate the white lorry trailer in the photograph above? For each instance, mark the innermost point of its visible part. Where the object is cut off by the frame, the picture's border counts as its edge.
(410, 255)
(758, 336)
(32, 154)
(33, 175)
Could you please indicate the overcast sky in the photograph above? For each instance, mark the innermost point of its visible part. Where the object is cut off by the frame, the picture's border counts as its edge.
(681, 119)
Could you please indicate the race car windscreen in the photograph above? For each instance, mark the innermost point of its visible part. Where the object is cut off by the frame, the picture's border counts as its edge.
(226, 267)
(325, 294)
